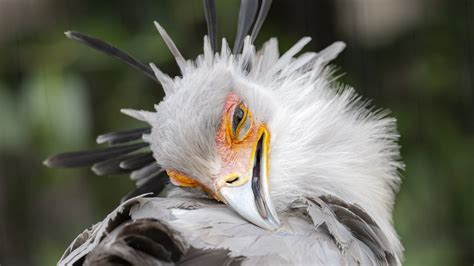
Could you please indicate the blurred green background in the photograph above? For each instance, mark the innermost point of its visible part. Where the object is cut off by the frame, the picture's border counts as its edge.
(414, 57)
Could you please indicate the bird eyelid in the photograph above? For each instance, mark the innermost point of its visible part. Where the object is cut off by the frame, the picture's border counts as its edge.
(243, 127)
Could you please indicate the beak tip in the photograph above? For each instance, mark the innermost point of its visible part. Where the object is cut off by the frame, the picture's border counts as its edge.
(274, 227)
(241, 200)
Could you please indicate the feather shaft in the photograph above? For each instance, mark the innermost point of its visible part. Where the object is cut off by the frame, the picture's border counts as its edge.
(88, 158)
(211, 21)
(172, 47)
(110, 50)
(123, 136)
(137, 161)
(247, 13)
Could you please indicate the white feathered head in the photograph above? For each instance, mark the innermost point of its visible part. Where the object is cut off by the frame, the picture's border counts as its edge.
(259, 130)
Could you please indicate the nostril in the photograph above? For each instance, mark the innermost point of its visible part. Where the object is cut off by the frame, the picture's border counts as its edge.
(230, 181)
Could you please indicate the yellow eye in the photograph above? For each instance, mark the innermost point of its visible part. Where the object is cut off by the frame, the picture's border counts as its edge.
(241, 121)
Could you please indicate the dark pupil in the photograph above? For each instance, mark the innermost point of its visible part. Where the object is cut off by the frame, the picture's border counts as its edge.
(238, 116)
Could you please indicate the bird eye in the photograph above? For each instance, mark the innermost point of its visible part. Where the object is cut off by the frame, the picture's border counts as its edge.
(237, 118)
(240, 121)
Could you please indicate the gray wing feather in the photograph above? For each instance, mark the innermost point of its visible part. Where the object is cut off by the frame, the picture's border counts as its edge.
(90, 238)
(200, 257)
(140, 242)
(363, 227)
(353, 251)
(196, 231)
(355, 232)
(122, 239)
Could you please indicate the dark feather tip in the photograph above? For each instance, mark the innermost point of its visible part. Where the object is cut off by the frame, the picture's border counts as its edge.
(123, 136)
(154, 184)
(137, 161)
(145, 171)
(110, 50)
(88, 158)
(112, 166)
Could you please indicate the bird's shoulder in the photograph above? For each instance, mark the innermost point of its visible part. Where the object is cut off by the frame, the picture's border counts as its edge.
(199, 231)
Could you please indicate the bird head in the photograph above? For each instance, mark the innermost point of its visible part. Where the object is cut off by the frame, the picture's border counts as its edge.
(214, 133)
(258, 130)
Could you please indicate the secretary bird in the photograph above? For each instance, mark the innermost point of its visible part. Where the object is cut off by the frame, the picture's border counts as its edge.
(251, 158)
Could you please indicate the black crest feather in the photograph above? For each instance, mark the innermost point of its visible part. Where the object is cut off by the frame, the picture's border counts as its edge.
(211, 20)
(247, 18)
(112, 51)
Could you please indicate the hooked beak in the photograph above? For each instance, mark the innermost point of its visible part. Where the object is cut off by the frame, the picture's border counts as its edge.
(250, 195)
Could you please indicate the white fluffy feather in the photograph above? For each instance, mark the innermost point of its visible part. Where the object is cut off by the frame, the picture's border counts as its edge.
(324, 137)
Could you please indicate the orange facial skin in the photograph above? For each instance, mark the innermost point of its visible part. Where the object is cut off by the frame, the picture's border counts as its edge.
(236, 155)
(179, 179)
